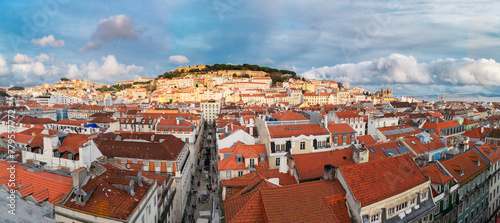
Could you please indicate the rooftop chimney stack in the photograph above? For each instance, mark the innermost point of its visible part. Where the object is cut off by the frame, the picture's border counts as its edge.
(330, 172)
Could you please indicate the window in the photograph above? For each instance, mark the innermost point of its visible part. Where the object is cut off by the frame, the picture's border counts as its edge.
(228, 174)
(423, 196)
(445, 203)
(149, 208)
(390, 212)
(278, 161)
(252, 163)
(412, 201)
(401, 206)
(229, 190)
(240, 173)
(302, 145)
(436, 210)
(374, 218)
(262, 158)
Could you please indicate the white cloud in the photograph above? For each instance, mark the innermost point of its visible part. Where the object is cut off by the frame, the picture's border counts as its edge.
(401, 69)
(178, 59)
(26, 71)
(112, 29)
(43, 57)
(269, 61)
(110, 70)
(467, 71)
(21, 59)
(48, 40)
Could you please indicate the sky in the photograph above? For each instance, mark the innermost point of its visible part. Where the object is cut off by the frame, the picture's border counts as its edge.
(416, 47)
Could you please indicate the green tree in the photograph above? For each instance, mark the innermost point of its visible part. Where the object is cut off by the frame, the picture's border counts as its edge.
(64, 79)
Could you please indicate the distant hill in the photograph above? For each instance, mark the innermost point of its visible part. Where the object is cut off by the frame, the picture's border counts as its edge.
(276, 75)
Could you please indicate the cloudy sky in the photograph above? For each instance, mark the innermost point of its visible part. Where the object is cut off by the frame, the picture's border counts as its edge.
(417, 47)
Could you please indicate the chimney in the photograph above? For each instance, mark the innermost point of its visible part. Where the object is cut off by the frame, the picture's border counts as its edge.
(326, 120)
(360, 153)
(330, 172)
(50, 143)
(251, 131)
(102, 159)
(482, 129)
(283, 168)
(79, 176)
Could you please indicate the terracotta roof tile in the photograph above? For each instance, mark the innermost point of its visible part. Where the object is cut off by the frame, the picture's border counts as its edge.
(435, 174)
(285, 131)
(289, 116)
(311, 165)
(377, 180)
(268, 205)
(107, 200)
(464, 167)
(168, 149)
(340, 128)
(41, 185)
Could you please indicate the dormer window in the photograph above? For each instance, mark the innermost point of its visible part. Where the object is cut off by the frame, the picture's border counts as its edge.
(239, 159)
(475, 160)
(262, 158)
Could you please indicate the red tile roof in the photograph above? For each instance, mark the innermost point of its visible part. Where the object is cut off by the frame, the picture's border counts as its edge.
(435, 174)
(378, 180)
(285, 131)
(290, 204)
(340, 128)
(33, 120)
(421, 148)
(72, 122)
(348, 114)
(490, 151)
(73, 142)
(468, 122)
(367, 139)
(288, 116)
(464, 166)
(18, 137)
(43, 186)
(168, 149)
(247, 151)
(103, 119)
(311, 165)
(108, 200)
(476, 133)
(376, 151)
(441, 125)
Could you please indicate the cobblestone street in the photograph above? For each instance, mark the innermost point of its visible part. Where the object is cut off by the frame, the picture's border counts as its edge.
(204, 205)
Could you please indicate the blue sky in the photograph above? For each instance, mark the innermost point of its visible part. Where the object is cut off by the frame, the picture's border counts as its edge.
(415, 46)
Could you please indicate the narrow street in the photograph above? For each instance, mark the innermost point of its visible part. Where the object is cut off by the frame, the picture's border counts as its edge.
(204, 205)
